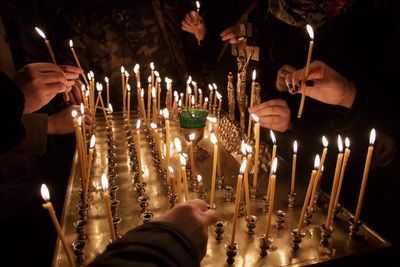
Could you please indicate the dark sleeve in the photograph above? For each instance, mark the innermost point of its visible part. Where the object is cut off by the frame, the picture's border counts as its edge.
(36, 134)
(151, 244)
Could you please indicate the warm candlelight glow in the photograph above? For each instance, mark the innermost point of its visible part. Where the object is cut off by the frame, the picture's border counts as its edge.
(271, 133)
(152, 65)
(347, 142)
(153, 125)
(219, 96)
(316, 162)
(215, 86)
(171, 170)
(197, 5)
(166, 113)
(178, 145)
(104, 182)
(153, 92)
(182, 160)
(71, 44)
(110, 108)
(200, 91)
(92, 141)
(243, 148)
(138, 124)
(40, 32)
(324, 141)
(136, 68)
(213, 139)
(211, 119)
(192, 136)
(199, 178)
(189, 80)
(340, 144)
(254, 75)
(45, 193)
(106, 79)
(372, 136)
(255, 118)
(156, 74)
(128, 88)
(74, 113)
(310, 31)
(274, 165)
(294, 147)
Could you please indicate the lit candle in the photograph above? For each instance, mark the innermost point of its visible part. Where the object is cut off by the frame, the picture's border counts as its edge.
(319, 172)
(149, 89)
(335, 183)
(128, 87)
(251, 101)
(82, 107)
(158, 94)
(157, 140)
(249, 151)
(184, 177)
(193, 101)
(219, 96)
(205, 105)
(152, 74)
(273, 155)
(200, 97)
(123, 87)
(304, 89)
(189, 97)
(99, 88)
(51, 53)
(308, 194)
(107, 89)
(175, 104)
(168, 99)
(200, 185)
(138, 152)
(365, 174)
(210, 96)
(344, 163)
(272, 196)
(71, 45)
(257, 147)
(197, 32)
(91, 151)
(170, 179)
(154, 97)
(178, 149)
(136, 70)
(142, 111)
(195, 91)
(49, 206)
(167, 137)
(214, 140)
(79, 144)
(237, 200)
(106, 197)
(294, 160)
(191, 155)
(189, 80)
(215, 96)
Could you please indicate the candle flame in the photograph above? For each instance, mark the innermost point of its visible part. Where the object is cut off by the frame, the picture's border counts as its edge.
(92, 141)
(83, 88)
(153, 125)
(215, 86)
(142, 93)
(271, 133)
(212, 119)
(197, 4)
(138, 85)
(110, 108)
(295, 147)
(200, 91)
(126, 74)
(82, 109)
(249, 149)
(122, 70)
(274, 165)
(372, 136)
(40, 32)
(254, 75)
(193, 100)
(210, 87)
(189, 80)
(189, 90)
(45, 193)
(99, 87)
(152, 65)
(255, 118)
(104, 182)
(176, 93)
(136, 68)
(89, 76)
(128, 87)
(171, 171)
(138, 124)
(322, 168)
(156, 73)
(180, 103)
(87, 93)
(194, 83)
(158, 79)
(347, 142)
(206, 99)
(91, 73)
(310, 31)
(167, 80)
(316, 162)
(243, 148)
(178, 145)
(74, 113)
(79, 121)
(192, 136)
(199, 178)
(183, 160)
(106, 79)
(243, 167)
(153, 92)
(166, 113)
(340, 143)
(213, 139)
(149, 79)
(324, 141)
(71, 44)
(219, 96)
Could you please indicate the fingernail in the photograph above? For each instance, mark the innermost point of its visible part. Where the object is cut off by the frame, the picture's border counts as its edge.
(309, 83)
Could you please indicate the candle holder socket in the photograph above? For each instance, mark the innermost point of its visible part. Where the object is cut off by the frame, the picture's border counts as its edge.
(326, 234)
(172, 199)
(220, 181)
(251, 224)
(241, 209)
(265, 243)
(113, 191)
(82, 211)
(297, 236)
(308, 216)
(114, 204)
(292, 199)
(354, 227)
(231, 252)
(213, 207)
(80, 227)
(146, 216)
(228, 193)
(144, 203)
(78, 248)
(201, 194)
(280, 217)
(219, 227)
(265, 203)
(116, 223)
(253, 191)
(194, 185)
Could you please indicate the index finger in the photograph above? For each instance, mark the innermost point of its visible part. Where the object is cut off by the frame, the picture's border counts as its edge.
(210, 217)
(45, 67)
(199, 203)
(70, 68)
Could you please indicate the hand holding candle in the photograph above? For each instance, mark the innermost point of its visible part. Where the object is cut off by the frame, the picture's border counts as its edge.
(49, 206)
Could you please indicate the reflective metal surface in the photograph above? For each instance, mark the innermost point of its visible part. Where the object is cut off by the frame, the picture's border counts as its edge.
(129, 210)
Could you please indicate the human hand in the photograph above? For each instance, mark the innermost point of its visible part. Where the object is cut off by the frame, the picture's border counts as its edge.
(62, 122)
(40, 82)
(324, 84)
(281, 77)
(274, 114)
(75, 95)
(197, 217)
(193, 23)
(230, 34)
